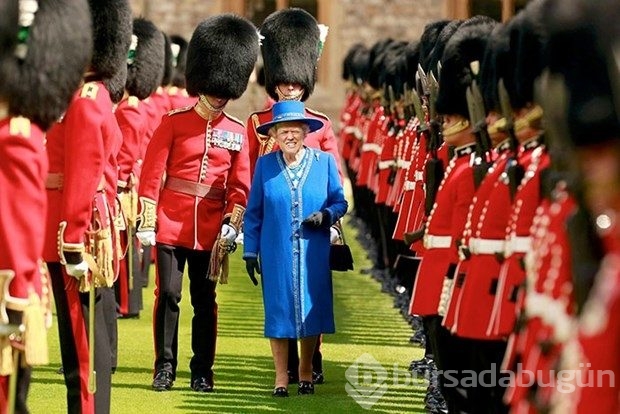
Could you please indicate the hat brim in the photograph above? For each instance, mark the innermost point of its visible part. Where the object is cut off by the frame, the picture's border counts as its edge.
(313, 124)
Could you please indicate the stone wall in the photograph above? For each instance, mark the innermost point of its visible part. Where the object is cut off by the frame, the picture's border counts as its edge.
(350, 21)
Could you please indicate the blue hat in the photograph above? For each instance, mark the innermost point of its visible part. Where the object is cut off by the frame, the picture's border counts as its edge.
(289, 111)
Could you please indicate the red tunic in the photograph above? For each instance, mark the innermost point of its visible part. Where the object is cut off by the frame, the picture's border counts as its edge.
(348, 130)
(412, 195)
(80, 147)
(548, 304)
(592, 354)
(488, 231)
(444, 226)
(403, 162)
(387, 163)
(370, 150)
(133, 122)
(22, 205)
(518, 244)
(323, 139)
(181, 149)
(161, 100)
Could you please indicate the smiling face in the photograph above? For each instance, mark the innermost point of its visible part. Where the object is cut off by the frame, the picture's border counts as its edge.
(290, 137)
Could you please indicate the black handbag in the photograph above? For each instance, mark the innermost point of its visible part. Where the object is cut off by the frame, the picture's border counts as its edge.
(340, 257)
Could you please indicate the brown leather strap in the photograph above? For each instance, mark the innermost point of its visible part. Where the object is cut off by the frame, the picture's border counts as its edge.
(56, 181)
(194, 189)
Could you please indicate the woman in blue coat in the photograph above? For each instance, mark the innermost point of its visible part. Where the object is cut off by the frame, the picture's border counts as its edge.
(295, 197)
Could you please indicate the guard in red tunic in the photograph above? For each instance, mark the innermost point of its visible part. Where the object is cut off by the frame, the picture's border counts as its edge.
(446, 221)
(527, 196)
(32, 43)
(204, 156)
(588, 356)
(491, 215)
(145, 66)
(81, 186)
(290, 48)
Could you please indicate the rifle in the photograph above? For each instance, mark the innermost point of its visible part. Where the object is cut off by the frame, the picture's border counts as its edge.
(408, 109)
(477, 117)
(514, 171)
(434, 166)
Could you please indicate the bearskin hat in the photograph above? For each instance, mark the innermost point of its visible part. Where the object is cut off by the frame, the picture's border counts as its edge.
(429, 37)
(112, 24)
(9, 16)
(376, 75)
(436, 52)
(221, 56)
(145, 64)
(178, 45)
(290, 50)
(574, 32)
(395, 67)
(465, 46)
(495, 65)
(348, 59)
(359, 66)
(40, 83)
(411, 54)
(529, 41)
(167, 78)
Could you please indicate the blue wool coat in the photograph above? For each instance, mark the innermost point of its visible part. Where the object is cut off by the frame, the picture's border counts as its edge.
(294, 257)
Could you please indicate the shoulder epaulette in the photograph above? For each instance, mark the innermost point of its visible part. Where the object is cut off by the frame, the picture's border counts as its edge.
(317, 113)
(89, 90)
(133, 101)
(232, 118)
(179, 110)
(20, 126)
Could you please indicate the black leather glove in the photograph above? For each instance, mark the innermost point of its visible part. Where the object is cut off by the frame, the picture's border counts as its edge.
(315, 219)
(251, 265)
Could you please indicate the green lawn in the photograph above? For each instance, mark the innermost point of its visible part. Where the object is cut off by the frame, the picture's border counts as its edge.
(368, 327)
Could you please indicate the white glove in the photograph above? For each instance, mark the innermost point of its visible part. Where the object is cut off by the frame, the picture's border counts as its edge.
(77, 270)
(334, 235)
(228, 233)
(147, 238)
(239, 239)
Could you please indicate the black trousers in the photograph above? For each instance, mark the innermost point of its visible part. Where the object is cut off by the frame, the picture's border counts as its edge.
(293, 357)
(170, 263)
(486, 357)
(72, 310)
(108, 300)
(24, 374)
(451, 357)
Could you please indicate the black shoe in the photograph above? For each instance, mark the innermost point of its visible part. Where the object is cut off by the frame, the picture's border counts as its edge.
(318, 378)
(129, 315)
(202, 384)
(163, 381)
(305, 387)
(280, 392)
